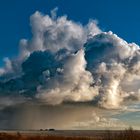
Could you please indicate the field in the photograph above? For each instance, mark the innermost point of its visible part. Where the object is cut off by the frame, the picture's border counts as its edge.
(128, 134)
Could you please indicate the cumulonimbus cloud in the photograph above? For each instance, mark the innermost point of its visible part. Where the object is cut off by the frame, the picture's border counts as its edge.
(65, 61)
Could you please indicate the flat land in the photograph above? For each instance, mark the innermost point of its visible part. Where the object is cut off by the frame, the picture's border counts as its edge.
(71, 135)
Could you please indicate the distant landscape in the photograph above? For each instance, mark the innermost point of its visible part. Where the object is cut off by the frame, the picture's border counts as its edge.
(128, 134)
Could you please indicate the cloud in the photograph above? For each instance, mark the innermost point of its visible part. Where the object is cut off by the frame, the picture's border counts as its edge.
(73, 84)
(64, 116)
(99, 122)
(65, 61)
(110, 60)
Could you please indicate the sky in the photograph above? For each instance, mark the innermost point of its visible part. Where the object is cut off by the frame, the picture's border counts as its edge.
(121, 17)
(69, 64)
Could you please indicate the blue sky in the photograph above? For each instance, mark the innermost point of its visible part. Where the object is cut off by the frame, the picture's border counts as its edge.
(120, 16)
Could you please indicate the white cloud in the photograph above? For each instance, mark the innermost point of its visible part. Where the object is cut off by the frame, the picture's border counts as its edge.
(73, 85)
(66, 61)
